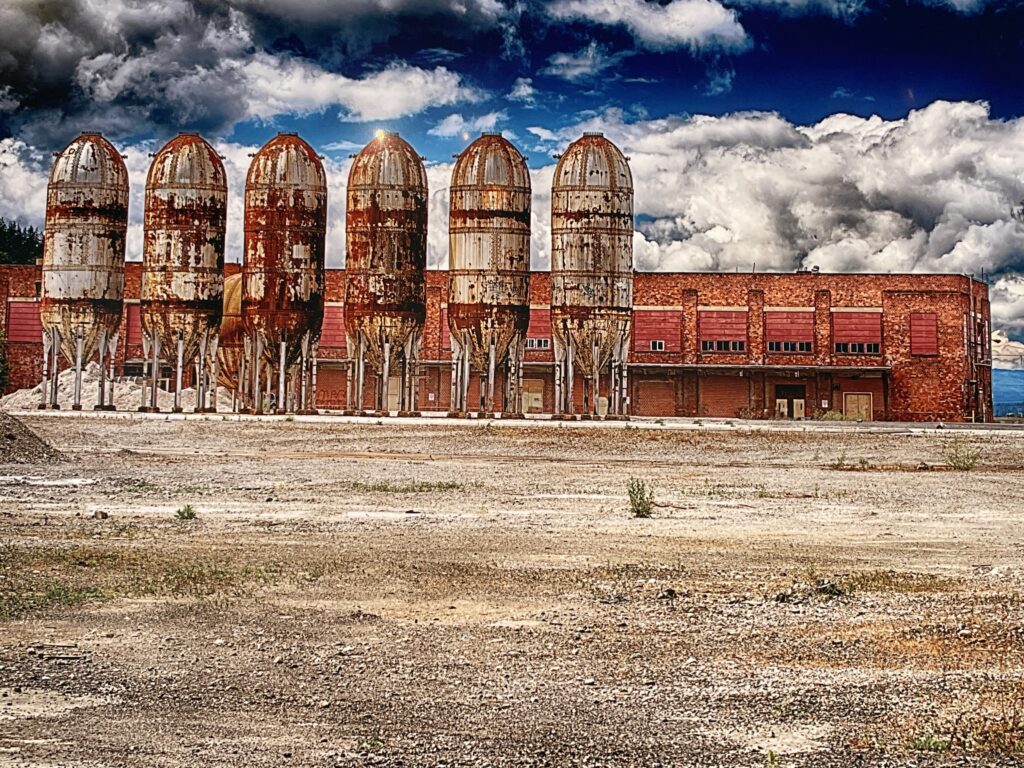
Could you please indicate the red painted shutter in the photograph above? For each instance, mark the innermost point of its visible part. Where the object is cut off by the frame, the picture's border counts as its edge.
(721, 325)
(789, 326)
(23, 322)
(857, 327)
(332, 334)
(924, 333)
(656, 325)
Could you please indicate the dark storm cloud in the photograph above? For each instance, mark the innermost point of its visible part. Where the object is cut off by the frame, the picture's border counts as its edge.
(154, 65)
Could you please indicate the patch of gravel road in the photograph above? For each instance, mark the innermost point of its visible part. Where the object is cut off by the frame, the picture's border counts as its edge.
(437, 594)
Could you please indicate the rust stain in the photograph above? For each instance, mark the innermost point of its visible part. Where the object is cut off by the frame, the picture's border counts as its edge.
(183, 243)
(386, 247)
(84, 243)
(285, 231)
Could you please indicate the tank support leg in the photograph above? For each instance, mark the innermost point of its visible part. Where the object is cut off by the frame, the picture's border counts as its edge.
(201, 374)
(303, 371)
(595, 386)
(282, 395)
(55, 367)
(179, 364)
(385, 380)
(453, 401)
(79, 343)
(214, 343)
(569, 385)
(154, 368)
(314, 350)
(112, 356)
(490, 379)
(45, 385)
(101, 387)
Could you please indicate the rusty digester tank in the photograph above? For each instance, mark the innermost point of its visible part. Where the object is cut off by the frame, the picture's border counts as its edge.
(591, 271)
(386, 259)
(183, 259)
(283, 272)
(489, 272)
(83, 260)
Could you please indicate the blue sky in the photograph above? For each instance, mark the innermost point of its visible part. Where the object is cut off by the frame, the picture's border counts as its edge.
(852, 135)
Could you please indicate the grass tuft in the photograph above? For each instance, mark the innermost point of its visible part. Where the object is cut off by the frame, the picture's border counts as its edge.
(641, 497)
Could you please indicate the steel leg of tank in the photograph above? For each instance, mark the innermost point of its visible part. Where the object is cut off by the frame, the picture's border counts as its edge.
(201, 374)
(179, 364)
(570, 381)
(303, 362)
(214, 343)
(385, 376)
(44, 386)
(101, 350)
(55, 368)
(257, 390)
(314, 351)
(112, 356)
(453, 401)
(155, 371)
(361, 375)
(282, 394)
(489, 405)
(76, 405)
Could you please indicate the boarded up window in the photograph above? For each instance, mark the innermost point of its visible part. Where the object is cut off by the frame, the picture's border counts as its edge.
(789, 326)
(863, 327)
(133, 319)
(23, 321)
(722, 325)
(924, 333)
(654, 325)
(332, 335)
(540, 324)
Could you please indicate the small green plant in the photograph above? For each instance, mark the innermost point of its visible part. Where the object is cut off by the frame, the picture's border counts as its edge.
(929, 743)
(641, 497)
(771, 760)
(960, 454)
(187, 512)
(289, 418)
(840, 462)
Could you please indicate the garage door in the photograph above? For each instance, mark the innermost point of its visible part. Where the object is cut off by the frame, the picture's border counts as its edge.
(724, 396)
(655, 398)
(330, 388)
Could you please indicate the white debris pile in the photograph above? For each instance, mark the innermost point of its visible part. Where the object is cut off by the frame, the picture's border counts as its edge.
(127, 394)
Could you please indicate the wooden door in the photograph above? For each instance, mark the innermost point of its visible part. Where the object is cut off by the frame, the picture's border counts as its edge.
(857, 405)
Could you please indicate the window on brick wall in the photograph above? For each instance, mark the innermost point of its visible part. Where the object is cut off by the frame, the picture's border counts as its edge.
(790, 346)
(538, 343)
(856, 348)
(722, 330)
(857, 333)
(657, 345)
(924, 333)
(719, 345)
(789, 331)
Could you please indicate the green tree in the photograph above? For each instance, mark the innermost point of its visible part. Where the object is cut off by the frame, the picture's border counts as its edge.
(18, 244)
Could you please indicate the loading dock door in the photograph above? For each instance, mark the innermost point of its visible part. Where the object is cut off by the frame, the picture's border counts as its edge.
(655, 398)
(533, 395)
(724, 396)
(857, 405)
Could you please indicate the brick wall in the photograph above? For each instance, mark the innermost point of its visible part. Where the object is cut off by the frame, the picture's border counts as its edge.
(952, 385)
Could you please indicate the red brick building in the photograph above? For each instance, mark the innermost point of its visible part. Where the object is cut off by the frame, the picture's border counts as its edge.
(886, 347)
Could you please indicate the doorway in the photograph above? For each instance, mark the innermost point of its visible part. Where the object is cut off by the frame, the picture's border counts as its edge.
(857, 405)
(790, 401)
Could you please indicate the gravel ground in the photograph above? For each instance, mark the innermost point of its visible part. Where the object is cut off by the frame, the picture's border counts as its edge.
(429, 593)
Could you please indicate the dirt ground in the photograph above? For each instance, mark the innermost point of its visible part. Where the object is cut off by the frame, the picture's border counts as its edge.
(216, 592)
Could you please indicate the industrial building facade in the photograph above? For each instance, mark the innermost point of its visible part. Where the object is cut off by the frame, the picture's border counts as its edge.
(764, 345)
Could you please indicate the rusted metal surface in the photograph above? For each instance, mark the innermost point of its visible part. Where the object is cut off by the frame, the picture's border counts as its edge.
(489, 272)
(83, 252)
(591, 260)
(232, 335)
(386, 259)
(285, 231)
(183, 244)
(386, 245)
(283, 272)
(489, 231)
